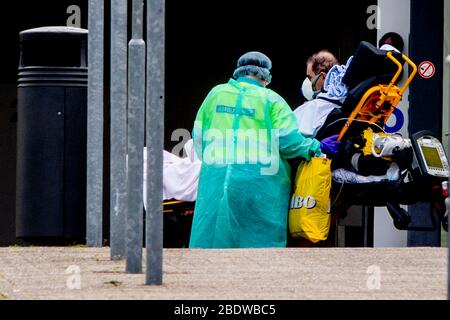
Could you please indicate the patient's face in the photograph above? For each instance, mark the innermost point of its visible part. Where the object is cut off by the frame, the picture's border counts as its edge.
(312, 76)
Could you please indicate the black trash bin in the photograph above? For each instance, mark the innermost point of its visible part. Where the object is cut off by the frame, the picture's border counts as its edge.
(52, 126)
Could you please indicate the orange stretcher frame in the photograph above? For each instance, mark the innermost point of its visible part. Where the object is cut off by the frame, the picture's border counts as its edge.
(379, 102)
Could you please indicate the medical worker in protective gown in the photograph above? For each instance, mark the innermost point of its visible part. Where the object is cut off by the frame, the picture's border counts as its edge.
(244, 133)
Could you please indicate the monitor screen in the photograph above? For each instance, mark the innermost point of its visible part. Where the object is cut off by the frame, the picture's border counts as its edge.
(432, 157)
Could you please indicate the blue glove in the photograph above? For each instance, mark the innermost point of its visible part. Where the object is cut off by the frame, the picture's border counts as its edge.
(330, 145)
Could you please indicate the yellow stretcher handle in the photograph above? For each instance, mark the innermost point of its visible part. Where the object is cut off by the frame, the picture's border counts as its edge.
(411, 76)
(172, 202)
(385, 92)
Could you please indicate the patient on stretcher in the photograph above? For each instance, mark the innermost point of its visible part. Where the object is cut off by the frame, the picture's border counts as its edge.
(343, 87)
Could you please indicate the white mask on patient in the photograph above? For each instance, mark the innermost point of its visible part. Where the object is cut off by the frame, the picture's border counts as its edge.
(307, 90)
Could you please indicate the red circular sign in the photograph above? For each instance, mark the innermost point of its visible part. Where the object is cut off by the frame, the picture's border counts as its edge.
(427, 69)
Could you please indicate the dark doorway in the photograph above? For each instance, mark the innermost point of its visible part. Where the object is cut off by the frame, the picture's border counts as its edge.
(204, 40)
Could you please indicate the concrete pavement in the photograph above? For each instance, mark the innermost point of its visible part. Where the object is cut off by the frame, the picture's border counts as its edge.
(273, 274)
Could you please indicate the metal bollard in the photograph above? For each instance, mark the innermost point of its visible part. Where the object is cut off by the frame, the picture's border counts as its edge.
(155, 139)
(118, 191)
(136, 134)
(94, 185)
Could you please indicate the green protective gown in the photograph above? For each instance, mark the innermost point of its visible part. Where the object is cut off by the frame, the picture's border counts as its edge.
(244, 134)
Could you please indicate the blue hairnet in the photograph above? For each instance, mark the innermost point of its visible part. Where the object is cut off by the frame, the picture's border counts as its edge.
(256, 64)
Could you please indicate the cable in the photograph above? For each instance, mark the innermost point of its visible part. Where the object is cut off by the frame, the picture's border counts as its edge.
(357, 120)
(339, 194)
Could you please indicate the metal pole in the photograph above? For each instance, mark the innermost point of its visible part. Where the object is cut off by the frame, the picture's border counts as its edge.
(155, 139)
(118, 191)
(94, 188)
(136, 134)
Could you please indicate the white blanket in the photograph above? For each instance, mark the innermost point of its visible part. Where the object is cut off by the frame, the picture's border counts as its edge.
(312, 115)
(180, 175)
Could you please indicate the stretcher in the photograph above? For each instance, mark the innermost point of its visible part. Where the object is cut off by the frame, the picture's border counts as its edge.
(402, 171)
(178, 217)
(180, 182)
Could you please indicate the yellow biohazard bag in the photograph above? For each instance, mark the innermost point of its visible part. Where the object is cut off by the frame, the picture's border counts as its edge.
(309, 213)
